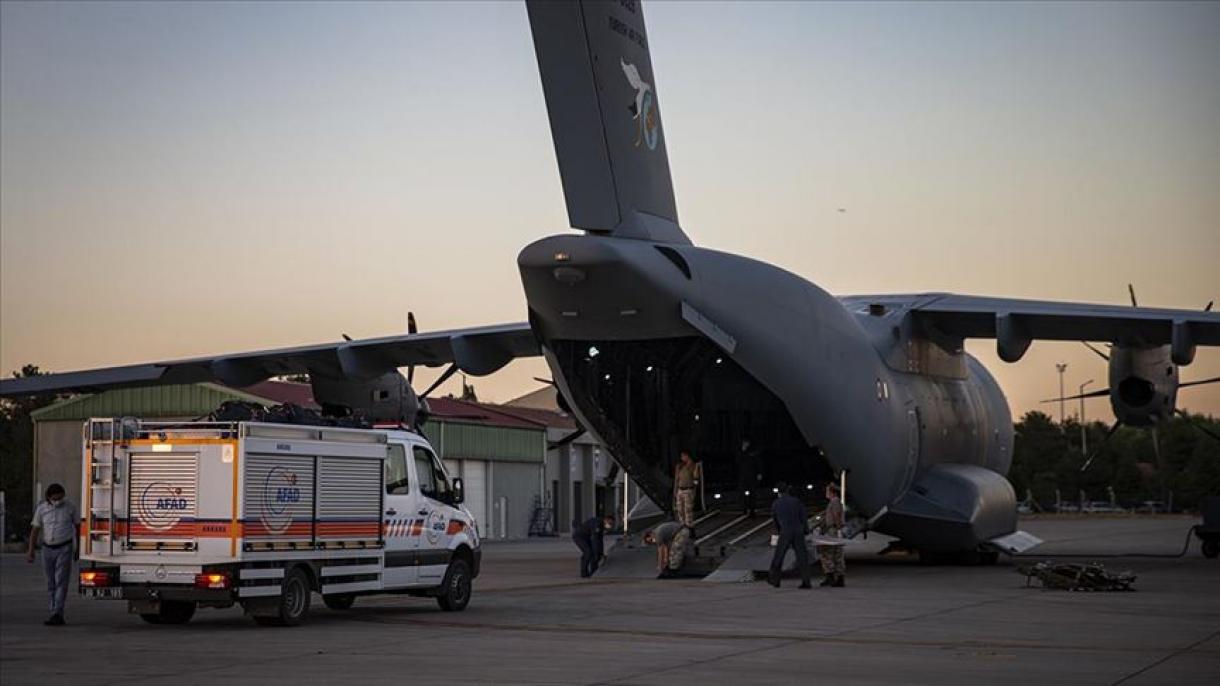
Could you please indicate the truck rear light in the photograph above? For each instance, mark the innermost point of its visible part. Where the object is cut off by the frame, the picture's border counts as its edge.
(93, 578)
(212, 580)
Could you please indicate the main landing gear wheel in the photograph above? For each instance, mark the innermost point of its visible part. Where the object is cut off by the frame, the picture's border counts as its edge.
(1211, 549)
(170, 612)
(455, 591)
(339, 601)
(293, 603)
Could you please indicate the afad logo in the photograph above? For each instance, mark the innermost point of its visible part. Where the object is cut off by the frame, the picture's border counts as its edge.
(434, 526)
(161, 506)
(280, 493)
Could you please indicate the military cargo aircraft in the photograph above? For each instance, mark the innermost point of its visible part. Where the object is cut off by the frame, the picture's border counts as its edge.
(657, 344)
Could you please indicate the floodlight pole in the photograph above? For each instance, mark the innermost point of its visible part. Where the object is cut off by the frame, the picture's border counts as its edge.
(1062, 367)
(1084, 439)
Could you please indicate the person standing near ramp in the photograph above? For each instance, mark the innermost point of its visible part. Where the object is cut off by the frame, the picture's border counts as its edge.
(686, 477)
(831, 556)
(791, 519)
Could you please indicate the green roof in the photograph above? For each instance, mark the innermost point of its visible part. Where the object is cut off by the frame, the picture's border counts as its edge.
(452, 439)
(184, 400)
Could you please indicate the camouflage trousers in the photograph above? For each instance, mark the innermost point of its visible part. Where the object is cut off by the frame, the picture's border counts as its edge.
(677, 548)
(684, 506)
(831, 557)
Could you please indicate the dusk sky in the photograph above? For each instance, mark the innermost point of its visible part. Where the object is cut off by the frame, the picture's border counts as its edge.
(186, 179)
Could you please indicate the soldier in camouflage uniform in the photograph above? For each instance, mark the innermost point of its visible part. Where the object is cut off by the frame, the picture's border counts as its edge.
(831, 556)
(686, 476)
(671, 539)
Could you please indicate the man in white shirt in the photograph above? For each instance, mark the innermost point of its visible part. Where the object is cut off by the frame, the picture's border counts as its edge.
(54, 524)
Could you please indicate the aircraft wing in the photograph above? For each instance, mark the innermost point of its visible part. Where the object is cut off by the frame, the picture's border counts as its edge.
(1014, 323)
(478, 351)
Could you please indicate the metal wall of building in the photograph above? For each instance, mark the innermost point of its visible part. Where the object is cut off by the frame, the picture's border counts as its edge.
(58, 450)
(514, 493)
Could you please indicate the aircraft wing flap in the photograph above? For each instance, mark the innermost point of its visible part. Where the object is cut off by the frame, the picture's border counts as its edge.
(340, 359)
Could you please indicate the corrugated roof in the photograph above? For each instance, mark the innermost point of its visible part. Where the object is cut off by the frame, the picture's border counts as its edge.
(181, 400)
(454, 410)
(548, 418)
(545, 398)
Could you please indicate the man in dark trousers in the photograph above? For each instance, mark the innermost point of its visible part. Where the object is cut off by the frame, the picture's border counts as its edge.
(747, 476)
(791, 519)
(587, 536)
(54, 525)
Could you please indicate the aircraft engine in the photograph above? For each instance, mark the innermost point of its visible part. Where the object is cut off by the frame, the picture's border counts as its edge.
(1143, 384)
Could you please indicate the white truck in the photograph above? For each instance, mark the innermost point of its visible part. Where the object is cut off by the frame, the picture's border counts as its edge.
(208, 514)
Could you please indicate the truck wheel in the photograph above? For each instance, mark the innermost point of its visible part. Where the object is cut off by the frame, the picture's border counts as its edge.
(170, 612)
(455, 590)
(339, 601)
(1211, 548)
(293, 604)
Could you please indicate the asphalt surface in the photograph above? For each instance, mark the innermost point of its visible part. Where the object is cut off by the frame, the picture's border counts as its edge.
(533, 622)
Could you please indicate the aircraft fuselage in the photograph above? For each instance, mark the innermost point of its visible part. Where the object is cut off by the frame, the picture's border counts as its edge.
(660, 348)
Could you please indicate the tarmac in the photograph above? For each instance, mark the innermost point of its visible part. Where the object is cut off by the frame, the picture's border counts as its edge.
(532, 621)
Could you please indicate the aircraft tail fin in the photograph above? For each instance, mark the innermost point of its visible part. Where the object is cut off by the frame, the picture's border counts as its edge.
(605, 119)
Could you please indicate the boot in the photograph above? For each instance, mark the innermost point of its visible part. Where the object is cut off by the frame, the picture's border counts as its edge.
(839, 581)
(773, 579)
(828, 580)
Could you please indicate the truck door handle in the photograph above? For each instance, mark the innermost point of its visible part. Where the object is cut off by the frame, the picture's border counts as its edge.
(391, 512)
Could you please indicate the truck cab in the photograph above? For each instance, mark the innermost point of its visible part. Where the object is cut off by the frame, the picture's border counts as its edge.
(426, 527)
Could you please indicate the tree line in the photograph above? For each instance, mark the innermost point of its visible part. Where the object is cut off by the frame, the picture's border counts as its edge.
(1178, 462)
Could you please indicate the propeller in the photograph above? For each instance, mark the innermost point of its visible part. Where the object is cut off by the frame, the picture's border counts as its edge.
(1199, 383)
(1090, 394)
(1131, 290)
(449, 371)
(1099, 353)
(1191, 420)
(411, 331)
(1097, 450)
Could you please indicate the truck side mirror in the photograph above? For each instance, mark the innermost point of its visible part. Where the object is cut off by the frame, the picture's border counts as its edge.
(459, 494)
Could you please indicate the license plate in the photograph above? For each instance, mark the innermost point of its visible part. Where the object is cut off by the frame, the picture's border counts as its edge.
(106, 593)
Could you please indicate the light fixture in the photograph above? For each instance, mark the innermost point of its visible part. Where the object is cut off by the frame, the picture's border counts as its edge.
(606, 377)
(593, 351)
(648, 368)
(717, 496)
(809, 487)
(719, 360)
(775, 490)
(747, 493)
